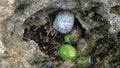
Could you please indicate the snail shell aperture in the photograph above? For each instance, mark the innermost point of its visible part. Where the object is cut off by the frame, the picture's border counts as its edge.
(64, 22)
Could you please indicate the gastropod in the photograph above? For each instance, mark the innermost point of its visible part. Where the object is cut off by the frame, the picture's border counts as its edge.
(64, 22)
(84, 47)
(74, 36)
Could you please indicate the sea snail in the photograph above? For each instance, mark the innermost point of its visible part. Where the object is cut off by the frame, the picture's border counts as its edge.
(64, 22)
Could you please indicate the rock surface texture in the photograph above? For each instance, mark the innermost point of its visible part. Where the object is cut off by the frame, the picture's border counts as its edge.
(100, 18)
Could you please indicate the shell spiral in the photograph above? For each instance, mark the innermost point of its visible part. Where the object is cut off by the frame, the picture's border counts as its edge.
(64, 22)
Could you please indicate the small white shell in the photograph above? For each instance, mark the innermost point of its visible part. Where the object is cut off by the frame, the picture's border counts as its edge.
(64, 22)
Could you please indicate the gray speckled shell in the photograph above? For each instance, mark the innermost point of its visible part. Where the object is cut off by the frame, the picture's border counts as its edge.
(64, 22)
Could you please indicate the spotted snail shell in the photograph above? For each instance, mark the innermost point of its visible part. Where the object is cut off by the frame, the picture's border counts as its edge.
(64, 22)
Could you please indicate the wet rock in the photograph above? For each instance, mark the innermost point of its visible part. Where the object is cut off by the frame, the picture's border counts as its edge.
(99, 18)
(68, 64)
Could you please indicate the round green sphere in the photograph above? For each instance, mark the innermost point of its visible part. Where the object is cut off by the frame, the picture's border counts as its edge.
(67, 38)
(67, 52)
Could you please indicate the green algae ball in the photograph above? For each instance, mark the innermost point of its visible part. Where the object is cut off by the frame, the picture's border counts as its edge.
(67, 52)
(67, 38)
